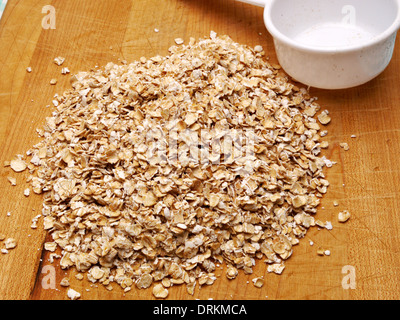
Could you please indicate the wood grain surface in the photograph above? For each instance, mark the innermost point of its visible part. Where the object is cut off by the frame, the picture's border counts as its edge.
(365, 180)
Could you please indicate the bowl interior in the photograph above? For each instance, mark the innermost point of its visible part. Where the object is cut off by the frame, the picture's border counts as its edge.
(333, 23)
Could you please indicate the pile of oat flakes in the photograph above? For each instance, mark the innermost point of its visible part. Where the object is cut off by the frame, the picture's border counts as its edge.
(164, 169)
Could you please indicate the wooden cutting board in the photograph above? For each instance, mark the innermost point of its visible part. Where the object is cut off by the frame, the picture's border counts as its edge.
(365, 181)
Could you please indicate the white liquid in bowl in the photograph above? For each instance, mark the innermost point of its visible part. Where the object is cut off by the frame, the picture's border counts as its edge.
(334, 35)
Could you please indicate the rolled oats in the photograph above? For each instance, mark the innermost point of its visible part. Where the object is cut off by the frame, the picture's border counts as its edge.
(158, 171)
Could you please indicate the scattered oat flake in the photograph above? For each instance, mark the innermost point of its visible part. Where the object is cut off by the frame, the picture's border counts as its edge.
(258, 282)
(10, 243)
(276, 268)
(258, 48)
(12, 180)
(144, 281)
(344, 216)
(18, 165)
(159, 291)
(65, 71)
(345, 146)
(149, 199)
(64, 282)
(276, 66)
(231, 272)
(324, 118)
(79, 276)
(59, 60)
(328, 225)
(53, 82)
(179, 41)
(324, 144)
(53, 256)
(73, 295)
(96, 273)
(190, 287)
(50, 246)
(27, 192)
(335, 203)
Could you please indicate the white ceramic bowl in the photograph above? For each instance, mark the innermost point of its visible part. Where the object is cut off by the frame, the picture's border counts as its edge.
(332, 44)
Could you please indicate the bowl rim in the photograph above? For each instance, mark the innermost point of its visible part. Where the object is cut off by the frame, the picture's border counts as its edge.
(278, 35)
